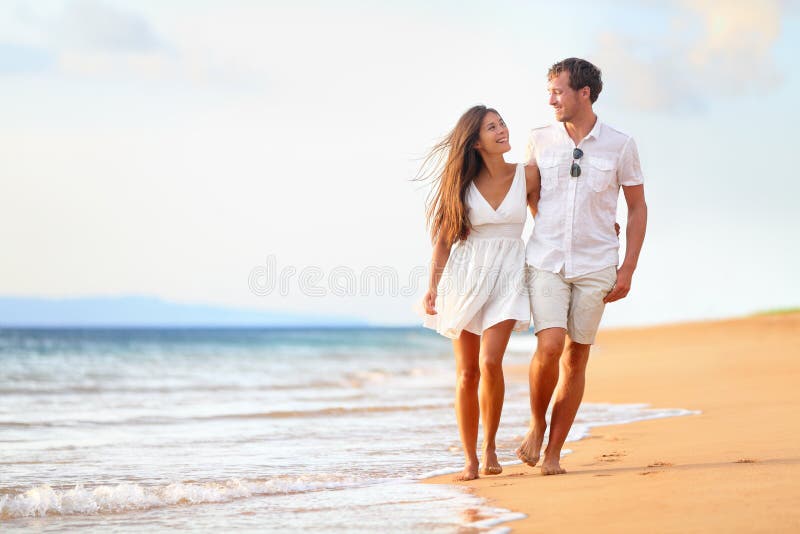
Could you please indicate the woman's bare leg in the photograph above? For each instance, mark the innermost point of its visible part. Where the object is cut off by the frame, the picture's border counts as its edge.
(467, 350)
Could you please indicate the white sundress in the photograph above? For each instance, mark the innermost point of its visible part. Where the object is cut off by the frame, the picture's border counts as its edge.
(483, 282)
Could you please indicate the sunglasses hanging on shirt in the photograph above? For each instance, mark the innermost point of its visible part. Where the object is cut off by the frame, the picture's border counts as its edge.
(575, 170)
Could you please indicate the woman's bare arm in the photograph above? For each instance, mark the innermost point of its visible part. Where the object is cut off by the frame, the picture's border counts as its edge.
(441, 253)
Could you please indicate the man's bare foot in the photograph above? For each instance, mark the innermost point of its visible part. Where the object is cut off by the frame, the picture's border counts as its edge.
(552, 467)
(490, 464)
(470, 472)
(530, 448)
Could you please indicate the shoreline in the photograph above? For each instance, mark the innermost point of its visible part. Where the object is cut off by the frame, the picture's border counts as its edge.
(732, 467)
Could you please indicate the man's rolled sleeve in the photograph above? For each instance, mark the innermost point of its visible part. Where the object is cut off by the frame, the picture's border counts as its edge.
(629, 170)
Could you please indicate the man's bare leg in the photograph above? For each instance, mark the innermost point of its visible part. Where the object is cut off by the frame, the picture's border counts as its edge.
(492, 390)
(467, 350)
(543, 377)
(568, 399)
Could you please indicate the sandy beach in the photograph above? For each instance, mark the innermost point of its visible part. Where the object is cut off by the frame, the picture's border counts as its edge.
(735, 467)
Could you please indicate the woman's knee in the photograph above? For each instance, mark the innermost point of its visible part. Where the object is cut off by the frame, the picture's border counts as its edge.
(491, 365)
(469, 377)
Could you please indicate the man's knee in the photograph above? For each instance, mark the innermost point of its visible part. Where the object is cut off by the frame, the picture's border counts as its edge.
(576, 357)
(550, 345)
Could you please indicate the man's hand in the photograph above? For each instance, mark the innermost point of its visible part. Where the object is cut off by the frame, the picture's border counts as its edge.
(622, 287)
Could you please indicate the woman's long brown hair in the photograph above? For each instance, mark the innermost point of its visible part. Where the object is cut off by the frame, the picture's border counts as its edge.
(452, 164)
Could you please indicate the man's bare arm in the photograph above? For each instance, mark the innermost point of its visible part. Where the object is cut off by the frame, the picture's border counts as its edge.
(634, 237)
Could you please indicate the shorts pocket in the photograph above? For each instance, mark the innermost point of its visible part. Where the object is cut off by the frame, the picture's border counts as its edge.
(611, 279)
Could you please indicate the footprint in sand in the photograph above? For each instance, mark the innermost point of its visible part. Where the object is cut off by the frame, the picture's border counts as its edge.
(613, 456)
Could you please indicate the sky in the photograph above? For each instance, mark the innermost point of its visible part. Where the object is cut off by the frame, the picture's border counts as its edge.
(259, 154)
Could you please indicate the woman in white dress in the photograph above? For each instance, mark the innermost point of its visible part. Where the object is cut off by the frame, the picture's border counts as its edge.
(477, 295)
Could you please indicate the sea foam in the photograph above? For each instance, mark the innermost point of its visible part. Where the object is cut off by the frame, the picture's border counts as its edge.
(45, 500)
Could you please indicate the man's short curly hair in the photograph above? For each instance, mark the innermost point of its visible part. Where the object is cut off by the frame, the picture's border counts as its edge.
(581, 74)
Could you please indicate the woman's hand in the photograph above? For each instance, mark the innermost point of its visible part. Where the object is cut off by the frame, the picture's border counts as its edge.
(429, 301)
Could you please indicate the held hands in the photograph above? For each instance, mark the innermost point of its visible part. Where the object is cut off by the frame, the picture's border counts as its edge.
(622, 287)
(429, 301)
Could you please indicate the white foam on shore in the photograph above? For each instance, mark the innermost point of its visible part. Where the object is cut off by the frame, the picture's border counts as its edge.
(593, 415)
(453, 470)
(44, 500)
(501, 515)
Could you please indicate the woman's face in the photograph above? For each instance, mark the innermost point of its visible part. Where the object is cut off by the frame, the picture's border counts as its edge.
(493, 135)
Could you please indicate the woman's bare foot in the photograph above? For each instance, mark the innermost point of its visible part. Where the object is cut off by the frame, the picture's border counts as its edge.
(552, 466)
(490, 464)
(530, 448)
(470, 472)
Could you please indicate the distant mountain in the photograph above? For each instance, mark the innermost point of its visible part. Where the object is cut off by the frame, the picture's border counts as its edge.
(147, 311)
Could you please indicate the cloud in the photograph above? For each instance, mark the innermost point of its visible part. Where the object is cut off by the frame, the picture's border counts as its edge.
(711, 48)
(85, 37)
(91, 25)
(90, 39)
(94, 39)
(22, 59)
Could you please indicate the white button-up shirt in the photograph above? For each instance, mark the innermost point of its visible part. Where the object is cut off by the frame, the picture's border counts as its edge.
(574, 224)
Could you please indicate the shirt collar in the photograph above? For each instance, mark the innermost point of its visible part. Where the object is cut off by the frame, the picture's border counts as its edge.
(595, 132)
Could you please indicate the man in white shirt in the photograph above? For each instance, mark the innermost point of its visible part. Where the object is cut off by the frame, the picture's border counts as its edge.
(573, 252)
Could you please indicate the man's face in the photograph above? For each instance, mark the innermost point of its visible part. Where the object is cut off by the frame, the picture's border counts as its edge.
(563, 98)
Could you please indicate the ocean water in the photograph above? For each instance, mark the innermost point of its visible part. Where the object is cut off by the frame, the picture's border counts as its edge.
(254, 429)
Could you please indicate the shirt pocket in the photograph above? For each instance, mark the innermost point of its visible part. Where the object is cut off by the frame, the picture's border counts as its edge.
(548, 169)
(601, 172)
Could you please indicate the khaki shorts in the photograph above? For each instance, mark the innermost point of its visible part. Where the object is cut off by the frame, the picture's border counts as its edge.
(574, 304)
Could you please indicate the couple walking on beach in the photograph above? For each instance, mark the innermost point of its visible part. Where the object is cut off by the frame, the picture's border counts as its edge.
(490, 283)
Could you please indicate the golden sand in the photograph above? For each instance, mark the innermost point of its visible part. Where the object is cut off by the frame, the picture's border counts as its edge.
(733, 468)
